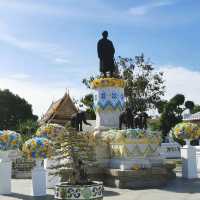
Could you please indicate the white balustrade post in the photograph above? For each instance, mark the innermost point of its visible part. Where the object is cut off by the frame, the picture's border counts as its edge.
(189, 165)
(39, 179)
(198, 160)
(5, 173)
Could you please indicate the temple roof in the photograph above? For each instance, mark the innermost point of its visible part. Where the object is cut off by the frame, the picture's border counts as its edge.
(60, 111)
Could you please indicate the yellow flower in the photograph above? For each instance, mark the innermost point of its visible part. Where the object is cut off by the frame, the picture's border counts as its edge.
(14, 142)
(136, 167)
(33, 142)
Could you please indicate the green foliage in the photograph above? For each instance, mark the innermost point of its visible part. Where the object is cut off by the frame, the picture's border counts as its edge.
(160, 105)
(195, 109)
(14, 110)
(87, 81)
(73, 152)
(172, 113)
(154, 124)
(27, 128)
(89, 102)
(144, 86)
(178, 100)
(189, 105)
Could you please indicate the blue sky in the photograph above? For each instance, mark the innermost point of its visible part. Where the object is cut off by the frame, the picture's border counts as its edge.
(49, 45)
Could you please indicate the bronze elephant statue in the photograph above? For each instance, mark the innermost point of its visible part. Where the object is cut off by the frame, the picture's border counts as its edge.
(78, 119)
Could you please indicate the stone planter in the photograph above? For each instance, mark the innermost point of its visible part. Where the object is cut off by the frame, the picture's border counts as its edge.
(79, 192)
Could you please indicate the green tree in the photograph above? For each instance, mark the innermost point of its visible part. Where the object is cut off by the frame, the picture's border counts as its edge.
(89, 102)
(160, 105)
(27, 128)
(144, 86)
(171, 112)
(196, 109)
(14, 110)
(154, 124)
(189, 105)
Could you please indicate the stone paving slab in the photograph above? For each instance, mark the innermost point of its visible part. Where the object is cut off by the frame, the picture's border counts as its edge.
(178, 189)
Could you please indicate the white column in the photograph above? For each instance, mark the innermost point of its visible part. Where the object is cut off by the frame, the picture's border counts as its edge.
(198, 160)
(5, 173)
(189, 165)
(39, 179)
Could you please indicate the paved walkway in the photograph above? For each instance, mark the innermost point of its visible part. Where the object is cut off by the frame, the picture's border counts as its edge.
(178, 189)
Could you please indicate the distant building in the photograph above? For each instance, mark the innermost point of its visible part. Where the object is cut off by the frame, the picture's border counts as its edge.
(194, 118)
(60, 111)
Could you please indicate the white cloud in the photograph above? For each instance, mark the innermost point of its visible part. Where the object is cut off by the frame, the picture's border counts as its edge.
(182, 80)
(146, 8)
(41, 95)
(61, 60)
(20, 76)
(52, 52)
(31, 7)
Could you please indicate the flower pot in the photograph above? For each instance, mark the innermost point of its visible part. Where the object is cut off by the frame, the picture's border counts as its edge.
(87, 192)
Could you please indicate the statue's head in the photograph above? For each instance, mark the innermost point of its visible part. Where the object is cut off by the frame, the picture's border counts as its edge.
(105, 34)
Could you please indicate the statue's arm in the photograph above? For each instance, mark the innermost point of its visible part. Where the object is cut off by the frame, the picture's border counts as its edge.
(113, 49)
(99, 49)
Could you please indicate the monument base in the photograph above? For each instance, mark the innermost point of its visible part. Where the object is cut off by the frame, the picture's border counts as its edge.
(153, 177)
(107, 120)
(128, 164)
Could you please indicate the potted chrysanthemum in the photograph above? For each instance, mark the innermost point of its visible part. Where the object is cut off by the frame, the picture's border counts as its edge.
(38, 149)
(9, 143)
(74, 154)
(187, 131)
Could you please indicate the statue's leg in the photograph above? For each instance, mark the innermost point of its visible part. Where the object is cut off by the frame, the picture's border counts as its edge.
(120, 124)
(81, 126)
(111, 73)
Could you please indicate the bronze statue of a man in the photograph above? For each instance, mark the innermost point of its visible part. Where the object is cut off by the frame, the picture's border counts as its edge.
(106, 53)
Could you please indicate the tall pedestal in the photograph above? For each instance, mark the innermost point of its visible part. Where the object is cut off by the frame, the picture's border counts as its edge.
(198, 160)
(189, 165)
(108, 101)
(39, 180)
(5, 173)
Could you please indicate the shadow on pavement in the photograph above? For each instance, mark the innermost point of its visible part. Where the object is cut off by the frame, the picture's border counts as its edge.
(27, 197)
(182, 185)
(108, 193)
